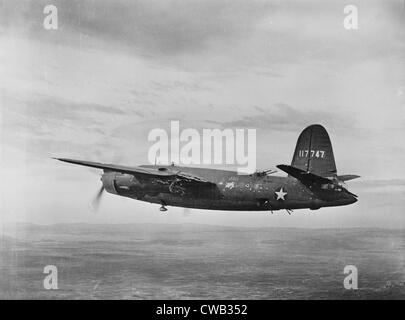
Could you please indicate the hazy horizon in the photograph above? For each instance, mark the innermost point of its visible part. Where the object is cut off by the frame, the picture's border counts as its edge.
(176, 224)
(200, 262)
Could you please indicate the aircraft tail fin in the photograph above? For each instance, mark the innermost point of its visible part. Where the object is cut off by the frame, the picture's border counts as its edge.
(313, 152)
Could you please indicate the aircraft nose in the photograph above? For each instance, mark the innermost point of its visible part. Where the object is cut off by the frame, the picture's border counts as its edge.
(350, 198)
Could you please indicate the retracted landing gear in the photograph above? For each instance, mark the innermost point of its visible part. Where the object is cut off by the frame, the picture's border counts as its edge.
(163, 207)
(289, 211)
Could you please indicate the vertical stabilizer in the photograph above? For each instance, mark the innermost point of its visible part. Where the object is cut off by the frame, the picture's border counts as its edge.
(313, 152)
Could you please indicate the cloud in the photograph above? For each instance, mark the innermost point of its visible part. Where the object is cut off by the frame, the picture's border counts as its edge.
(39, 111)
(215, 33)
(168, 27)
(391, 187)
(44, 126)
(283, 117)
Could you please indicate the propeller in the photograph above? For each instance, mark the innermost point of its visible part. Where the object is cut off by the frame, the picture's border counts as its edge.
(95, 203)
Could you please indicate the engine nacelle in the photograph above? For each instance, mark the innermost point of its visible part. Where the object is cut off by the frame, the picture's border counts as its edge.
(120, 183)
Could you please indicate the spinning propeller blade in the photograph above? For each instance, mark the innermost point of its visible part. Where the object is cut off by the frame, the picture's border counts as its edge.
(95, 203)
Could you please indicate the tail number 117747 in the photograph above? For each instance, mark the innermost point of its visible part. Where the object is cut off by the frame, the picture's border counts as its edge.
(311, 153)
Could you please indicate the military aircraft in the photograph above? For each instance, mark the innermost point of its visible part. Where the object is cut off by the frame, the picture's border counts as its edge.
(312, 182)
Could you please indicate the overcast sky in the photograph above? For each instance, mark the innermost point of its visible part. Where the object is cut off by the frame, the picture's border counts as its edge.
(114, 70)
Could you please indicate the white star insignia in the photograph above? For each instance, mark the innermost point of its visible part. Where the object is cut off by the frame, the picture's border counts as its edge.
(280, 194)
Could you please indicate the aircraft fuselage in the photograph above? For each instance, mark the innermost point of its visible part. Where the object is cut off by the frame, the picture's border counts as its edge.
(231, 191)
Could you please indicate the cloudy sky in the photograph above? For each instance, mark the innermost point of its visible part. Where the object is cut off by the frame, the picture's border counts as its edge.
(114, 70)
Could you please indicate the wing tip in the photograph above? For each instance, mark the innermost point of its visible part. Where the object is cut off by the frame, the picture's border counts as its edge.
(63, 159)
(281, 166)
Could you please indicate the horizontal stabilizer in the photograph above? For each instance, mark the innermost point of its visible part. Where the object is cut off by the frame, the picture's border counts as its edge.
(303, 176)
(310, 179)
(347, 177)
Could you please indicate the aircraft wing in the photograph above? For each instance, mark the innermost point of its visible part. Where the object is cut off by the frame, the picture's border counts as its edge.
(141, 172)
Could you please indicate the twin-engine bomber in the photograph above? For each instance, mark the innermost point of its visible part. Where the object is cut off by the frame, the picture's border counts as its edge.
(312, 182)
